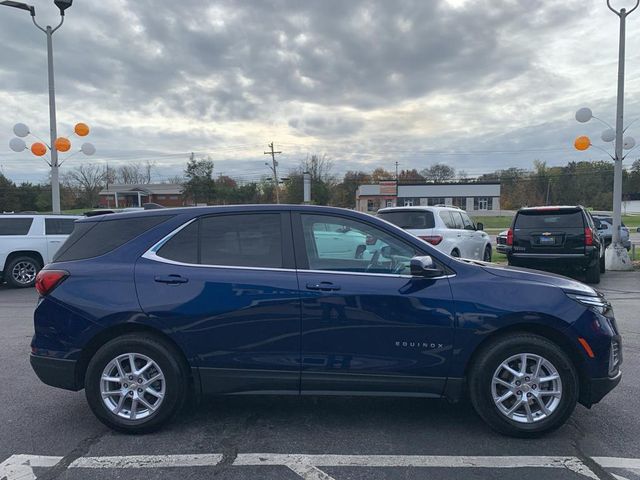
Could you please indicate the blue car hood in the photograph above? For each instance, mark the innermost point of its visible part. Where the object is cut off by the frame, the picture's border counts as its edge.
(517, 273)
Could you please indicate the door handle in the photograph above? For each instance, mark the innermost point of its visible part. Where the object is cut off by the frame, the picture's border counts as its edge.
(323, 286)
(170, 279)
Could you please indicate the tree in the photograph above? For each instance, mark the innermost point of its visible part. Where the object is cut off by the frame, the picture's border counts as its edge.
(135, 173)
(344, 193)
(86, 180)
(9, 201)
(438, 173)
(199, 183)
(380, 174)
(322, 181)
(410, 176)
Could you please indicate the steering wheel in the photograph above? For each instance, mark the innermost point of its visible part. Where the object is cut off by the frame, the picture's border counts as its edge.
(374, 261)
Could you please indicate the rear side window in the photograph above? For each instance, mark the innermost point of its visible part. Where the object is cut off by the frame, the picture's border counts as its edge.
(545, 219)
(457, 220)
(59, 226)
(15, 226)
(445, 215)
(230, 240)
(92, 239)
(409, 219)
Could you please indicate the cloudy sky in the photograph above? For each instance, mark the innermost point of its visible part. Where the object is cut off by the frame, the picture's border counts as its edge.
(478, 84)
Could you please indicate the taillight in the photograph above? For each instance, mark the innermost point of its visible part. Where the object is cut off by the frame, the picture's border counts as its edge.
(432, 239)
(588, 236)
(47, 280)
(510, 236)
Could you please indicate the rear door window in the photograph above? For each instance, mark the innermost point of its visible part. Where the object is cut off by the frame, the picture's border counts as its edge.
(59, 226)
(457, 220)
(15, 226)
(410, 219)
(92, 239)
(183, 246)
(446, 217)
(549, 219)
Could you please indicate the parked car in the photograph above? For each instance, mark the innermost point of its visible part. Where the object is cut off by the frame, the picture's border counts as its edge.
(28, 242)
(146, 310)
(449, 229)
(501, 242)
(604, 224)
(556, 238)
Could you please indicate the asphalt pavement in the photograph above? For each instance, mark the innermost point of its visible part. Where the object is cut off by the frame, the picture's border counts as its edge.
(47, 433)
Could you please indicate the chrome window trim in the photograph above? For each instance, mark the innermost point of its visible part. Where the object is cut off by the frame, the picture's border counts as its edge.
(151, 254)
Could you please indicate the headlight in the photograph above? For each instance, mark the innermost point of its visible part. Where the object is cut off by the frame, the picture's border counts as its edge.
(589, 301)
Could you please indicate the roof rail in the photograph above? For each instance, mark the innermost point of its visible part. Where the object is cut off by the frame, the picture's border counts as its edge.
(448, 206)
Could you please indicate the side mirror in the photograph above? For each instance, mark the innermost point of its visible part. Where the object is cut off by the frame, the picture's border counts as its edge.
(425, 267)
(479, 226)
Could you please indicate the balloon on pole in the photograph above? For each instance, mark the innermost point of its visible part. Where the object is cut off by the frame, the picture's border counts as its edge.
(17, 144)
(21, 130)
(628, 143)
(62, 144)
(584, 115)
(38, 149)
(88, 148)
(582, 143)
(81, 129)
(608, 135)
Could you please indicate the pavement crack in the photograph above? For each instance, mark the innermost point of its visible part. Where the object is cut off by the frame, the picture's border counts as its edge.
(80, 450)
(590, 463)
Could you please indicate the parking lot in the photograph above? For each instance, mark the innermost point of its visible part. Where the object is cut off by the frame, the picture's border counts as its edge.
(47, 433)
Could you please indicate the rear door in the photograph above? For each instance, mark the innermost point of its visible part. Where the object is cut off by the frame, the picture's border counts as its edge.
(549, 231)
(56, 232)
(226, 286)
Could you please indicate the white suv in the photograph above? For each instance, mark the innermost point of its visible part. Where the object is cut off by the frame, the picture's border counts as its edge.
(449, 229)
(28, 242)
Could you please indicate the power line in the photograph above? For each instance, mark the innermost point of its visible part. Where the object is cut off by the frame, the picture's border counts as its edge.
(274, 169)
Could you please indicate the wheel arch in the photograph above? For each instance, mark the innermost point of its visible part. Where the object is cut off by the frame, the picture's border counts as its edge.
(24, 253)
(119, 330)
(550, 333)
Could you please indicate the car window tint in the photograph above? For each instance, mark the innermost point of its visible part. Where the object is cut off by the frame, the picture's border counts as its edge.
(242, 240)
(549, 219)
(412, 219)
(183, 246)
(15, 226)
(446, 217)
(352, 246)
(91, 239)
(59, 226)
(457, 220)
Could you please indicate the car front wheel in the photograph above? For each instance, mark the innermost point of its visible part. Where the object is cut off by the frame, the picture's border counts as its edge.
(136, 383)
(523, 385)
(21, 272)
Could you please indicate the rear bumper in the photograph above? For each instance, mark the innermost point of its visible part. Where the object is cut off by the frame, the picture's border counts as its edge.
(552, 259)
(597, 388)
(56, 372)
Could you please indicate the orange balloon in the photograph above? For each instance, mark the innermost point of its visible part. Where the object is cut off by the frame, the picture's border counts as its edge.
(62, 144)
(582, 143)
(38, 149)
(81, 129)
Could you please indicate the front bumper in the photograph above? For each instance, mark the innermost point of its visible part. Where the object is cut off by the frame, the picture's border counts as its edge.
(56, 372)
(595, 389)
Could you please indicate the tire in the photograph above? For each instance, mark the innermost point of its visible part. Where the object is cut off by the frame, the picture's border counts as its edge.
(173, 387)
(487, 254)
(489, 363)
(21, 271)
(593, 273)
(602, 265)
(455, 253)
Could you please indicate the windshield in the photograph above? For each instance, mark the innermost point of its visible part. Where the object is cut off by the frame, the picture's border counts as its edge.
(549, 219)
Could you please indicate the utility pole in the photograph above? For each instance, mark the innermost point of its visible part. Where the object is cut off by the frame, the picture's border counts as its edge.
(396, 171)
(274, 170)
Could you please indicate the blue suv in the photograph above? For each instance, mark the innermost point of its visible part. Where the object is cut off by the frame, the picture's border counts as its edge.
(145, 310)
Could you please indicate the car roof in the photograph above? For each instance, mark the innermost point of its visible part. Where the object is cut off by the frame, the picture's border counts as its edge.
(32, 215)
(551, 208)
(419, 208)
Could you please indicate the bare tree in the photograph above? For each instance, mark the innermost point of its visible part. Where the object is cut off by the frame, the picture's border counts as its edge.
(136, 173)
(439, 172)
(86, 180)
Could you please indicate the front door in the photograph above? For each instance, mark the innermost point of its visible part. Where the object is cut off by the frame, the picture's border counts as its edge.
(367, 325)
(226, 288)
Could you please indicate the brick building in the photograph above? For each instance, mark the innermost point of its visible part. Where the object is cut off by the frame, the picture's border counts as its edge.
(121, 196)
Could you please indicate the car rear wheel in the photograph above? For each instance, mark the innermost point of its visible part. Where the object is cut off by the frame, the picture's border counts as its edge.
(21, 272)
(135, 383)
(487, 254)
(593, 273)
(523, 385)
(602, 265)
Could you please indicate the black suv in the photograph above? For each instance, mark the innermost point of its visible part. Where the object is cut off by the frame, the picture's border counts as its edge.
(556, 238)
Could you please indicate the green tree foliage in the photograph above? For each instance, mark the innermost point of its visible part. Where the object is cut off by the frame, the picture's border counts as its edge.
(199, 184)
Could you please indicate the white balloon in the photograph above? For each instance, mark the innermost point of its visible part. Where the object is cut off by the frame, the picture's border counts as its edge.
(17, 144)
(628, 143)
(88, 148)
(584, 115)
(608, 135)
(21, 130)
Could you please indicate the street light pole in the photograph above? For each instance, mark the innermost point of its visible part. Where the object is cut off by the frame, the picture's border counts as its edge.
(616, 256)
(49, 31)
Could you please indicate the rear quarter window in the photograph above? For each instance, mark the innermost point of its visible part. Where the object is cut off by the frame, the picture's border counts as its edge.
(549, 219)
(59, 226)
(92, 239)
(409, 219)
(15, 226)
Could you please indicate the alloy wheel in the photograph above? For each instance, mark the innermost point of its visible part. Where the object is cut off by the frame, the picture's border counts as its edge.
(24, 272)
(132, 386)
(526, 388)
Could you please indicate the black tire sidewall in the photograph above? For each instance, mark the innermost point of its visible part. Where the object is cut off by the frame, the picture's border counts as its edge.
(487, 363)
(593, 273)
(487, 249)
(167, 360)
(8, 274)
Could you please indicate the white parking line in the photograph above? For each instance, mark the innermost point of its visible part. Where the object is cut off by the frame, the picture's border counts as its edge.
(308, 467)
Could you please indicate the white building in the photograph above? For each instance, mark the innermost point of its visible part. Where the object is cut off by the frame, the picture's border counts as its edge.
(468, 196)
